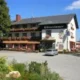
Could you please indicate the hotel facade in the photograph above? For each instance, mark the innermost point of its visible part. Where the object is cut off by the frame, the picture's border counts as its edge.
(32, 34)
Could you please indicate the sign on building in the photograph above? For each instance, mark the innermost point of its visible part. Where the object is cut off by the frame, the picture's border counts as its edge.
(61, 33)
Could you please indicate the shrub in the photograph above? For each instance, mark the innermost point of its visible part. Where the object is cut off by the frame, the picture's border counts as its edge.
(21, 67)
(3, 68)
(53, 76)
(64, 50)
(35, 71)
(34, 76)
(46, 74)
(40, 71)
(34, 67)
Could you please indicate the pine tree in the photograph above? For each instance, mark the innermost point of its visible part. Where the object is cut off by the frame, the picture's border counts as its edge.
(4, 18)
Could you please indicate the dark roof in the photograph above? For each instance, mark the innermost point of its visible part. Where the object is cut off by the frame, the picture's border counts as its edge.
(60, 19)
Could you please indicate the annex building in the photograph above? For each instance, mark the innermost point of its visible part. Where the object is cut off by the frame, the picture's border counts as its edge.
(43, 32)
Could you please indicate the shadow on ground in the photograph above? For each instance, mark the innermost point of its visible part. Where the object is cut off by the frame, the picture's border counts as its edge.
(75, 54)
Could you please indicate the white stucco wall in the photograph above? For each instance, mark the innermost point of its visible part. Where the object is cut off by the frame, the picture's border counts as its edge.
(65, 40)
(55, 34)
(72, 23)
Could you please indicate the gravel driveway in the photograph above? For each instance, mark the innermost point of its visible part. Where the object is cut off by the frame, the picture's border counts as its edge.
(68, 66)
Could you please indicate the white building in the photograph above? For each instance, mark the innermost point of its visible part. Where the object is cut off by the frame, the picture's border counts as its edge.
(63, 33)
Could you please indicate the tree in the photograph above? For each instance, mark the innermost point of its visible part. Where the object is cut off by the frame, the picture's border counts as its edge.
(4, 18)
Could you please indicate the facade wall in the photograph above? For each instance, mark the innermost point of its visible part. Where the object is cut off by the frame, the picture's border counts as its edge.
(65, 40)
(57, 35)
(69, 39)
(78, 45)
(72, 37)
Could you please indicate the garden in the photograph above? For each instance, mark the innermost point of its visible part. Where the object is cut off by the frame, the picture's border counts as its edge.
(26, 71)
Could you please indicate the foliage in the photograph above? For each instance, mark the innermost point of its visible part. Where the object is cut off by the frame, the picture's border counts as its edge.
(3, 68)
(41, 71)
(21, 67)
(34, 67)
(34, 76)
(32, 71)
(64, 50)
(4, 18)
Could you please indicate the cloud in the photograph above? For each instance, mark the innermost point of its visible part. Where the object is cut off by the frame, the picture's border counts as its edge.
(74, 5)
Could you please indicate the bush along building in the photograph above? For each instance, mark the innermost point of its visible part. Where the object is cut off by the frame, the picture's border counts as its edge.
(43, 32)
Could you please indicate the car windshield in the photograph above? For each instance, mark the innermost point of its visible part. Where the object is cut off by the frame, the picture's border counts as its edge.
(51, 50)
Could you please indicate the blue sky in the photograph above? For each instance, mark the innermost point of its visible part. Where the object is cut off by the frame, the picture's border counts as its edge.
(37, 8)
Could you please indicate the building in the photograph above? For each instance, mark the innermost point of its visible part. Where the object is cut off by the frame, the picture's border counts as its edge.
(78, 45)
(43, 32)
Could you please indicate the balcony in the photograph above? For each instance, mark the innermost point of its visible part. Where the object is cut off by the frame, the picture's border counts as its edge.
(21, 38)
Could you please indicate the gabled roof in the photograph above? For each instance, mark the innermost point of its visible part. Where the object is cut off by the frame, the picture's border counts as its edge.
(59, 19)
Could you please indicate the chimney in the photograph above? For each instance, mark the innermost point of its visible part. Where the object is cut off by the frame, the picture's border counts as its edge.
(18, 17)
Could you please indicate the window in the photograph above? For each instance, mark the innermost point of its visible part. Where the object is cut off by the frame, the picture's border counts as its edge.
(37, 33)
(48, 32)
(16, 34)
(53, 45)
(23, 45)
(32, 34)
(10, 35)
(33, 25)
(17, 27)
(24, 34)
(72, 28)
(25, 26)
(16, 45)
(72, 35)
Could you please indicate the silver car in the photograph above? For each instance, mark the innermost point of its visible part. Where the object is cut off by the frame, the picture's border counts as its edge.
(51, 52)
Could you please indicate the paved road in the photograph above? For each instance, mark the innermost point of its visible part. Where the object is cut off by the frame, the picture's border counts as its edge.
(68, 66)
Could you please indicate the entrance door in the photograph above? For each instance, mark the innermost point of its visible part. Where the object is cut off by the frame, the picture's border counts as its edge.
(72, 45)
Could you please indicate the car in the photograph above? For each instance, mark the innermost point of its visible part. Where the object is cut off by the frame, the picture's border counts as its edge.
(51, 52)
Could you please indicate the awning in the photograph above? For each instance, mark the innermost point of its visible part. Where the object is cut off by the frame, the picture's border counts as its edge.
(48, 39)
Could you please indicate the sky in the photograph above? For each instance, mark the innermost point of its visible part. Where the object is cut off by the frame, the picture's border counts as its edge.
(37, 8)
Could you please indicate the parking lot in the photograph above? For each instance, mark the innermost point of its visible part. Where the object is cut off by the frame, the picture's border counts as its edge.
(67, 65)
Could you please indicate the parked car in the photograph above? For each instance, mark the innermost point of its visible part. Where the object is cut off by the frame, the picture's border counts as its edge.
(51, 52)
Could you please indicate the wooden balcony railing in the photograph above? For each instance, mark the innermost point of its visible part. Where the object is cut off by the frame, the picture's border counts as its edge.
(21, 38)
